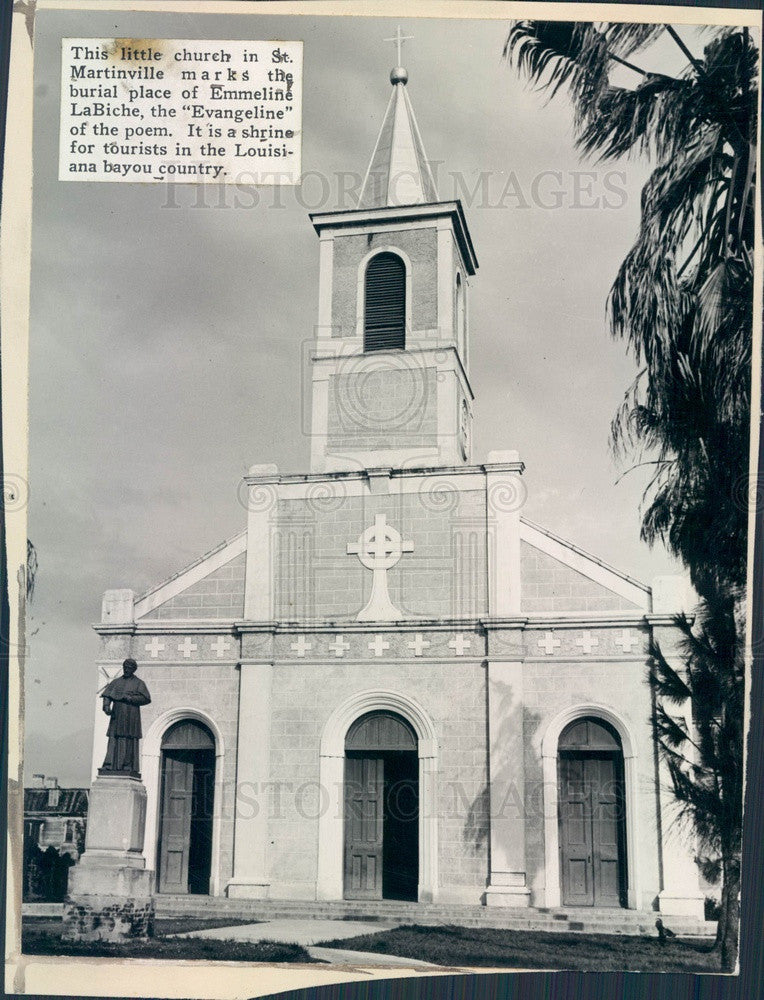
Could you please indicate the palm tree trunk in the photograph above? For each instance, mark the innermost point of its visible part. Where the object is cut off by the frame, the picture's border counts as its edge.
(727, 935)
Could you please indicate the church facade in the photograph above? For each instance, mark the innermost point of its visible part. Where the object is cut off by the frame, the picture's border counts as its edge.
(390, 684)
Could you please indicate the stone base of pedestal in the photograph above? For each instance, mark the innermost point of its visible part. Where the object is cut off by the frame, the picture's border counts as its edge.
(110, 890)
(108, 918)
(109, 901)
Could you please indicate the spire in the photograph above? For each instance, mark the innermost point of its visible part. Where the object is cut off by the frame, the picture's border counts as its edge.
(398, 173)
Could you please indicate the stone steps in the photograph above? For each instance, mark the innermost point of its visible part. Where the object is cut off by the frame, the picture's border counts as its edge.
(591, 921)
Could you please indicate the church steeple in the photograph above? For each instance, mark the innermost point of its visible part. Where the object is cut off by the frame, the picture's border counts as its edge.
(399, 172)
(389, 367)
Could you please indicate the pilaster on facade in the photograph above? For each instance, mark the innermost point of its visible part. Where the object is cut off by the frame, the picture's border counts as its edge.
(261, 496)
(507, 883)
(505, 496)
(118, 607)
(250, 878)
(680, 893)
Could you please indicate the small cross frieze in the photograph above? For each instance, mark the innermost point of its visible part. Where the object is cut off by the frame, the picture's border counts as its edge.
(418, 644)
(587, 642)
(627, 640)
(460, 643)
(549, 644)
(154, 647)
(379, 645)
(220, 646)
(301, 647)
(339, 646)
(187, 647)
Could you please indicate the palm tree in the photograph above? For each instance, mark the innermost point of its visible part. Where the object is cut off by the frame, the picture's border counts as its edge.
(682, 298)
(705, 760)
(682, 301)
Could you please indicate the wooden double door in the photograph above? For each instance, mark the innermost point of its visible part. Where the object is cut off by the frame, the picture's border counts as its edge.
(381, 825)
(592, 829)
(187, 803)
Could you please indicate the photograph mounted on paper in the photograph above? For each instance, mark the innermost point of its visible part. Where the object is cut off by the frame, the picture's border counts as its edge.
(391, 383)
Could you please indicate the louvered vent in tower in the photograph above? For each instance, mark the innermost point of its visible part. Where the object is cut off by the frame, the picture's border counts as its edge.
(385, 308)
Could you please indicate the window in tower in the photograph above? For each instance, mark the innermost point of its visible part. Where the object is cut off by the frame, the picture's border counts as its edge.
(384, 326)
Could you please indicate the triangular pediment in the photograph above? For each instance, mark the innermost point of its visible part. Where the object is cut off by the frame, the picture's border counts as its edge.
(559, 578)
(212, 588)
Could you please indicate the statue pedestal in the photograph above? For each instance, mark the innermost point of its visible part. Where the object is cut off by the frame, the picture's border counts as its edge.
(110, 890)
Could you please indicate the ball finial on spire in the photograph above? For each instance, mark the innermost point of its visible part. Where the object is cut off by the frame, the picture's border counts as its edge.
(399, 74)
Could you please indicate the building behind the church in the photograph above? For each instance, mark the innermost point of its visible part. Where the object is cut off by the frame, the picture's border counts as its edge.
(390, 684)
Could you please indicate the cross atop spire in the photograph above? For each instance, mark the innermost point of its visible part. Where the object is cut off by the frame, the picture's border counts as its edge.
(399, 173)
(399, 39)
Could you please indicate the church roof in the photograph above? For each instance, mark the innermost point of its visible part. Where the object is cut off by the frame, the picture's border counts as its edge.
(399, 172)
(69, 802)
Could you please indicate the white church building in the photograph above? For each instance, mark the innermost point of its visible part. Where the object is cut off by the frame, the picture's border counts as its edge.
(390, 684)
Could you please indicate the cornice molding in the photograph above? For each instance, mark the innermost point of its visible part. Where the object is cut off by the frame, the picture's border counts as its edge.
(355, 216)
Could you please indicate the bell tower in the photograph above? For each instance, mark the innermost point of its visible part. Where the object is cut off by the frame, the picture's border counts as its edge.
(390, 373)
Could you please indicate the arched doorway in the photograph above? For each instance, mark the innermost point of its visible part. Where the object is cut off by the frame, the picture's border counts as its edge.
(381, 808)
(592, 815)
(184, 855)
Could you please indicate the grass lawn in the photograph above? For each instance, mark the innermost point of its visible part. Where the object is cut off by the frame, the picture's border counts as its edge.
(44, 938)
(479, 946)
(180, 925)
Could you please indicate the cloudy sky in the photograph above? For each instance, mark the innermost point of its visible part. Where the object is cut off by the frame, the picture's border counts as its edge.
(167, 325)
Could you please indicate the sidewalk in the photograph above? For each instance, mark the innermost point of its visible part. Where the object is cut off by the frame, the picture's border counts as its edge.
(308, 932)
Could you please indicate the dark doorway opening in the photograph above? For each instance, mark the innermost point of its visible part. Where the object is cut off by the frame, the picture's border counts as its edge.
(400, 840)
(381, 809)
(592, 816)
(187, 805)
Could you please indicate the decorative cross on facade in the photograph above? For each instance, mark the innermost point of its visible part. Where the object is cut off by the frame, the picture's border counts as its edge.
(549, 644)
(378, 646)
(399, 39)
(220, 646)
(587, 642)
(187, 647)
(154, 646)
(626, 641)
(339, 646)
(302, 646)
(419, 644)
(460, 643)
(379, 548)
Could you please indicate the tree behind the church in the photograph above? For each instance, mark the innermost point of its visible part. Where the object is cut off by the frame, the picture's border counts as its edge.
(682, 298)
(682, 301)
(705, 761)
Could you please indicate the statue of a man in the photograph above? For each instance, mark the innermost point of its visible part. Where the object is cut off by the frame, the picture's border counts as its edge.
(122, 700)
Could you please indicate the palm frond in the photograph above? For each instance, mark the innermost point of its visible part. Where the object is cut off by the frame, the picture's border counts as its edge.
(554, 54)
(664, 679)
(627, 40)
